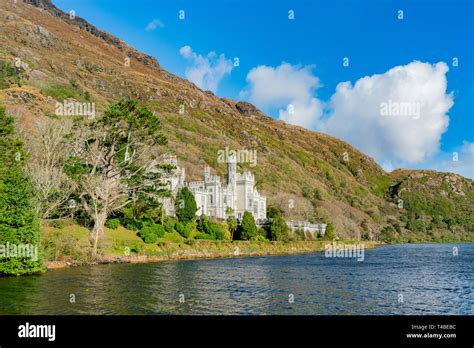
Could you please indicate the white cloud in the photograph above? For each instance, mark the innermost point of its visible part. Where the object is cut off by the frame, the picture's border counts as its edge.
(468, 148)
(290, 88)
(460, 161)
(206, 71)
(418, 89)
(156, 23)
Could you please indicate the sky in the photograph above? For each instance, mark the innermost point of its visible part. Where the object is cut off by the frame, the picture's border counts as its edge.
(392, 78)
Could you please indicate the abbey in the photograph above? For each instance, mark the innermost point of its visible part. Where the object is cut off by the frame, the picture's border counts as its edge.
(213, 196)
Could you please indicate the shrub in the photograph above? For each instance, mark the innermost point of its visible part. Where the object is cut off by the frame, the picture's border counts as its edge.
(183, 229)
(389, 235)
(205, 236)
(147, 235)
(173, 237)
(299, 234)
(158, 229)
(248, 228)
(112, 224)
(217, 231)
(169, 224)
(8, 75)
(57, 244)
(260, 238)
(62, 92)
(151, 233)
(279, 229)
(212, 228)
(57, 223)
(137, 247)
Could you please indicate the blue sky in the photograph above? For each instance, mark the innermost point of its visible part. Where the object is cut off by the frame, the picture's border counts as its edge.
(313, 44)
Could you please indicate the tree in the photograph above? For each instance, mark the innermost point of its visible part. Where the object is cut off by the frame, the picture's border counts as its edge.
(329, 234)
(232, 223)
(211, 228)
(112, 162)
(47, 152)
(273, 211)
(19, 225)
(185, 205)
(279, 229)
(248, 227)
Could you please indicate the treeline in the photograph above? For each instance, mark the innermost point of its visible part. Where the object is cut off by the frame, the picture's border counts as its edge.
(101, 172)
(19, 224)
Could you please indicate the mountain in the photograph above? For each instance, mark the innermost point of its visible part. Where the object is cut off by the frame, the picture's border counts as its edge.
(309, 175)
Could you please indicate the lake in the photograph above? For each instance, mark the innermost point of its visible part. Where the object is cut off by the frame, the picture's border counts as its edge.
(392, 279)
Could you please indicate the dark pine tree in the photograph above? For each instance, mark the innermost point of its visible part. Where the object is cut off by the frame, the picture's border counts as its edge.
(19, 225)
(185, 205)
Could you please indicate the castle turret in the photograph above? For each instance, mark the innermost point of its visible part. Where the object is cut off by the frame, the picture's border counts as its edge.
(207, 173)
(232, 171)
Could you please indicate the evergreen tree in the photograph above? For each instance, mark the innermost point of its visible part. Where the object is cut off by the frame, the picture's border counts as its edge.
(279, 229)
(19, 225)
(185, 205)
(248, 228)
(329, 233)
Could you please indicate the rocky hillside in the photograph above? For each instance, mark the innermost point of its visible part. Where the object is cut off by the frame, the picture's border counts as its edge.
(309, 175)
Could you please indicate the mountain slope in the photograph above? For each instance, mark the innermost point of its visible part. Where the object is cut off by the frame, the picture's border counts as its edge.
(309, 175)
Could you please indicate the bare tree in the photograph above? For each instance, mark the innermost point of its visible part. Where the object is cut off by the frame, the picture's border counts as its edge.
(47, 152)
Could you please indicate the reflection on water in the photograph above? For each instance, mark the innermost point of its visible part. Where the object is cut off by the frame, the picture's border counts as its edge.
(397, 279)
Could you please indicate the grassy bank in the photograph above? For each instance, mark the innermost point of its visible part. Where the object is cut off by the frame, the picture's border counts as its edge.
(68, 245)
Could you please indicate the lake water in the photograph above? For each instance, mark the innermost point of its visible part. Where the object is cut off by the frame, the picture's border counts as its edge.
(393, 279)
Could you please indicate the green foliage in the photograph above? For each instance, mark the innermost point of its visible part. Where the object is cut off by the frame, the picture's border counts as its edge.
(169, 223)
(173, 237)
(279, 229)
(184, 229)
(273, 211)
(185, 205)
(62, 92)
(232, 225)
(19, 224)
(330, 234)
(205, 236)
(140, 213)
(214, 230)
(381, 184)
(57, 223)
(59, 244)
(8, 75)
(114, 149)
(389, 235)
(299, 234)
(112, 223)
(151, 233)
(317, 194)
(248, 228)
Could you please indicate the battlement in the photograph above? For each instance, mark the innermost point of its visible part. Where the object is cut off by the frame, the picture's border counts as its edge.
(246, 176)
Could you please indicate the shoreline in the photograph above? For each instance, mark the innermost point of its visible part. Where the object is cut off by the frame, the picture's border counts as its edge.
(207, 251)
